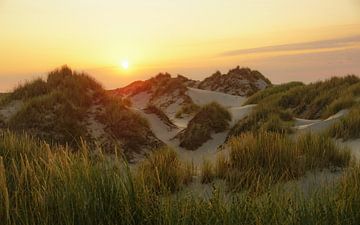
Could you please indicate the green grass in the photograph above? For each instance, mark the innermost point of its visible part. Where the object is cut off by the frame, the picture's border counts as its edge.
(52, 185)
(265, 117)
(52, 117)
(272, 90)
(55, 109)
(212, 118)
(349, 126)
(258, 161)
(279, 104)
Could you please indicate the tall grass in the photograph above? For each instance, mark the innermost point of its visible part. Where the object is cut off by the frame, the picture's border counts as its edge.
(127, 126)
(163, 172)
(349, 126)
(207, 172)
(43, 185)
(257, 161)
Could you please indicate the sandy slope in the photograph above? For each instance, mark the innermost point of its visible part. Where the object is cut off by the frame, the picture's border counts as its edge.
(95, 128)
(302, 125)
(210, 148)
(203, 97)
(11, 109)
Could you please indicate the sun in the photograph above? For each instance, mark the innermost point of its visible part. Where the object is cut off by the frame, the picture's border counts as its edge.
(125, 64)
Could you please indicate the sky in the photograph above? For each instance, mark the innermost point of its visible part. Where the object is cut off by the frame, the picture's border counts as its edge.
(285, 40)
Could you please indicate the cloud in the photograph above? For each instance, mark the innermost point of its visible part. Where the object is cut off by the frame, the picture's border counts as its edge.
(313, 45)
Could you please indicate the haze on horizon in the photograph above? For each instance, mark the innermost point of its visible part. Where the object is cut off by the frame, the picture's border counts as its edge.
(285, 40)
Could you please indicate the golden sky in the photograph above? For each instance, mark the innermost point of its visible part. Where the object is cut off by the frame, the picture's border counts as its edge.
(284, 39)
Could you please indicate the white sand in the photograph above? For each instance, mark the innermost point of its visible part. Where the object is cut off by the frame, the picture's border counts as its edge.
(302, 125)
(140, 100)
(209, 149)
(203, 97)
(353, 145)
(95, 128)
(239, 113)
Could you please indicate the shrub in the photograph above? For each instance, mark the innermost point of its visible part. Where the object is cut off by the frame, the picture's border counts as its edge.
(127, 126)
(212, 118)
(188, 109)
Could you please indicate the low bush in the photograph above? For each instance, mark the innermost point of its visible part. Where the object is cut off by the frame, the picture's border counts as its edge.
(127, 126)
(187, 109)
(212, 118)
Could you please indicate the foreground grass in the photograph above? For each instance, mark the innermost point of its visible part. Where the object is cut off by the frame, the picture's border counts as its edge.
(257, 161)
(163, 172)
(43, 185)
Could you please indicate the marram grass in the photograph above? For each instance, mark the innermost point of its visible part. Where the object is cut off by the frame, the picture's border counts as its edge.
(40, 184)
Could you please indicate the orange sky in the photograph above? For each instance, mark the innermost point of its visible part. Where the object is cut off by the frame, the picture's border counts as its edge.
(285, 40)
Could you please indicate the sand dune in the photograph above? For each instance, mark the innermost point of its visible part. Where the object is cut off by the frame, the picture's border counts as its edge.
(302, 125)
(203, 97)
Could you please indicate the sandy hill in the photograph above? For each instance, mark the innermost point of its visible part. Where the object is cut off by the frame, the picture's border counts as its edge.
(69, 107)
(184, 114)
(238, 81)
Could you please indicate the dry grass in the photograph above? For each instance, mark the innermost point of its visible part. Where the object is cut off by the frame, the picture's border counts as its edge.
(260, 160)
(349, 126)
(40, 185)
(163, 172)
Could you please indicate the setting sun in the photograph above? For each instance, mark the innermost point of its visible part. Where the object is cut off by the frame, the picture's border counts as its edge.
(125, 64)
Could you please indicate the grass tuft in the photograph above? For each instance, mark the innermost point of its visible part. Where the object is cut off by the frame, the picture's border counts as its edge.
(163, 172)
(349, 126)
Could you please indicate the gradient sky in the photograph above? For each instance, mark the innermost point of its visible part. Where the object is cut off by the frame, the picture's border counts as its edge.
(285, 40)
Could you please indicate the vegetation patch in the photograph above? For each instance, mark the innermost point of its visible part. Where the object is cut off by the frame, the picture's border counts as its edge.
(257, 161)
(130, 128)
(212, 118)
(349, 126)
(56, 110)
(187, 109)
(162, 116)
(279, 104)
(42, 185)
(163, 172)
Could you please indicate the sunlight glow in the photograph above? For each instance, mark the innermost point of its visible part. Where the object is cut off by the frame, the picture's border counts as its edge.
(125, 64)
